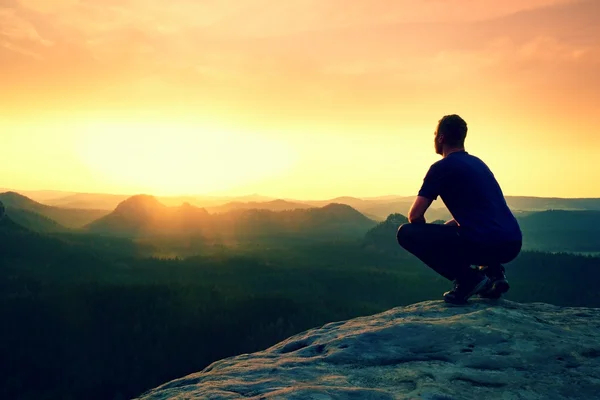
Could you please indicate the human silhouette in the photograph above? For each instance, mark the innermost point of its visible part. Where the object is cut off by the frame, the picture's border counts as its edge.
(483, 234)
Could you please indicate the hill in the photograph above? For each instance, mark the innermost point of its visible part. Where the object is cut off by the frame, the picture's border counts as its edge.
(7, 225)
(100, 201)
(41, 196)
(353, 202)
(141, 318)
(384, 209)
(561, 230)
(527, 203)
(377, 208)
(331, 222)
(383, 236)
(274, 205)
(423, 351)
(380, 209)
(106, 201)
(70, 218)
(33, 221)
(87, 201)
(552, 231)
(145, 216)
(44, 245)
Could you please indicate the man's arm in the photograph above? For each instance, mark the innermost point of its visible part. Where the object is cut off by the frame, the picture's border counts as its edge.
(416, 214)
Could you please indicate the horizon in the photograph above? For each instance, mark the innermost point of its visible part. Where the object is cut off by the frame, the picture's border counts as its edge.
(308, 99)
(67, 193)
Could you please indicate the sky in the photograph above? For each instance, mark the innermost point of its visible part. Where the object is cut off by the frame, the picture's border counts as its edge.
(301, 99)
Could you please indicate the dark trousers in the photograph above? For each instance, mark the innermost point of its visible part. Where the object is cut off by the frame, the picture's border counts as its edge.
(445, 250)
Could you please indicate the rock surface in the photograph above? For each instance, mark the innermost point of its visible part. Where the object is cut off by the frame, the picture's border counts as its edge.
(431, 351)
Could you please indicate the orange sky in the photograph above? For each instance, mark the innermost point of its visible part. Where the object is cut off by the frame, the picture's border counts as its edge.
(295, 98)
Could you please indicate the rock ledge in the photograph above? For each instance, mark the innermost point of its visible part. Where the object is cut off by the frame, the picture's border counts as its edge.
(485, 350)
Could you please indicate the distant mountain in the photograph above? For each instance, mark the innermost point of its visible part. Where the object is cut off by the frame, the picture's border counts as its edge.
(59, 248)
(87, 201)
(17, 218)
(70, 218)
(389, 198)
(383, 236)
(550, 231)
(385, 205)
(274, 205)
(353, 202)
(561, 230)
(86, 207)
(334, 221)
(552, 203)
(99, 201)
(41, 196)
(17, 200)
(103, 201)
(336, 216)
(7, 225)
(34, 221)
(144, 215)
(379, 208)
(190, 220)
(383, 209)
(251, 197)
(518, 204)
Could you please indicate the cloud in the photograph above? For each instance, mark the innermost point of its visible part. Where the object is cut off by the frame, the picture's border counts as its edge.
(19, 35)
(275, 55)
(283, 17)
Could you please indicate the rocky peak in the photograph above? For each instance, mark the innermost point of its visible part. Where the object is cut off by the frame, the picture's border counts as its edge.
(140, 204)
(485, 350)
(17, 200)
(340, 211)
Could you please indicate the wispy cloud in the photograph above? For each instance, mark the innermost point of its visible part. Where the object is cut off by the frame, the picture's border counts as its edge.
(266, 53)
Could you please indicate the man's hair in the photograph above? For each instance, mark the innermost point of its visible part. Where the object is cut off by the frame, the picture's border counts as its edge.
(454, 129)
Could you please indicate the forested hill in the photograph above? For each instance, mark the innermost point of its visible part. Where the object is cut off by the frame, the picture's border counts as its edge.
(65, 217)
(145, 216)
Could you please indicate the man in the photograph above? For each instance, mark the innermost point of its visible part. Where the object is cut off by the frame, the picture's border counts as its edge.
(483, 231)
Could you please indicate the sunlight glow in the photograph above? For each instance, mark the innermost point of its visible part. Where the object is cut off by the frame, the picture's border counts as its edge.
(236, 98)
(177, 159)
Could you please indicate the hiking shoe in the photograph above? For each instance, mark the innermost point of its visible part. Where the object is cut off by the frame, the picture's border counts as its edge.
(463, 290)
(499, 286)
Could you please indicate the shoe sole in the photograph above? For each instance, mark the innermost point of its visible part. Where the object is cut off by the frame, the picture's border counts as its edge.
(498, 289)
(501, 286)
(480, 286)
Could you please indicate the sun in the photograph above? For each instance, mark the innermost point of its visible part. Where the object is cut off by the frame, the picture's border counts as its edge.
(170, 159)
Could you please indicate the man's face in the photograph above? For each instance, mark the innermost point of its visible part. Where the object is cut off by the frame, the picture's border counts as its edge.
(438, 142)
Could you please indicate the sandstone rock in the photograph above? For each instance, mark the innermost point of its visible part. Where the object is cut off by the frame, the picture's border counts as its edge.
(431, 351)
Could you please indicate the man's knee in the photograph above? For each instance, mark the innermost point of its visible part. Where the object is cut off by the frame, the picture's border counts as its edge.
(403, 235)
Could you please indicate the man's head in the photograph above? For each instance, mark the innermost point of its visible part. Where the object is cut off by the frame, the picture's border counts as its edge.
(450, 133)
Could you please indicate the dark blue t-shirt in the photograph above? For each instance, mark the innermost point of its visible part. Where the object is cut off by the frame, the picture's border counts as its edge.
(473, 197)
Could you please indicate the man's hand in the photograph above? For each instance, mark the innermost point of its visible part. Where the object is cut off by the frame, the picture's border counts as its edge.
(416, 215)
(418, 220)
